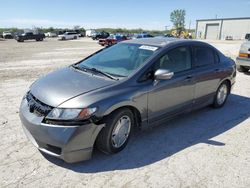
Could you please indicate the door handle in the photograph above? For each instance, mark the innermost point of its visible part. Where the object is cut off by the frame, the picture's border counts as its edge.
(189, 77)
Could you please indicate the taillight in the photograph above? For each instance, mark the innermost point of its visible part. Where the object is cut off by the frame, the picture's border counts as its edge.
(243, 55)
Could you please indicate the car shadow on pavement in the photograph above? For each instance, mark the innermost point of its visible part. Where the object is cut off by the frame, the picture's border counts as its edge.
(153, 145)
(247, 73)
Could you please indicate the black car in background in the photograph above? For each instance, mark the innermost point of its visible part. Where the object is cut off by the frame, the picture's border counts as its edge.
(29, 36)
(101, 35)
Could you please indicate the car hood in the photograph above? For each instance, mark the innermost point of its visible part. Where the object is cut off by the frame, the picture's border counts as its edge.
(62, 85)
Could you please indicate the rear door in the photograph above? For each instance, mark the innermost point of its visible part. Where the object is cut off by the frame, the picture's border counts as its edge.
(207, 73)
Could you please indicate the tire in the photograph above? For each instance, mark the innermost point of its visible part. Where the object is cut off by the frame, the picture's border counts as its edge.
(242, 69)
(75, 37)
(221, 95)
(63, 38)
(41, 39)
(105, 141)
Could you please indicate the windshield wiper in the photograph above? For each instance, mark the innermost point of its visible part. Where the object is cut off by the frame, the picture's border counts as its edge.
(76, 66)
(104, 73)
(85, 68)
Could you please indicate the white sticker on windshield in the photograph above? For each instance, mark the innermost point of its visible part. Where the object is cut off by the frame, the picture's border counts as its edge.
(152, 48)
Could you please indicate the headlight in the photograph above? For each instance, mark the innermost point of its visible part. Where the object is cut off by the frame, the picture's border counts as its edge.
(70, 114)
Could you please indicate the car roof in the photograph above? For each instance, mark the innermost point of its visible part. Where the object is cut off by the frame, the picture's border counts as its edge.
(162, 41)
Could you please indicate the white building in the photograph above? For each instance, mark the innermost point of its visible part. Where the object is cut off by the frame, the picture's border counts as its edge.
(220, 29)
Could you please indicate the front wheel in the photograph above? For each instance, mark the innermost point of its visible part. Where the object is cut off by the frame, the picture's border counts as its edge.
(221, 95)
(114, 137)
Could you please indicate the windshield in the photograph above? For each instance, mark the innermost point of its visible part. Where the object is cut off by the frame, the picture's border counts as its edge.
(120, 60)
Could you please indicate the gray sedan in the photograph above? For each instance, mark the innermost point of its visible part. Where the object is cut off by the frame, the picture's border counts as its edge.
(243, 60)
(139, 83)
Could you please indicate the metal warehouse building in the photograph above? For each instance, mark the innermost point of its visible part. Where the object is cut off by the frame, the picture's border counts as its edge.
(236, 28)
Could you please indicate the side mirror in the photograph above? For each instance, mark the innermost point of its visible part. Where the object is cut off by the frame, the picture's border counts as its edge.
(163, 74)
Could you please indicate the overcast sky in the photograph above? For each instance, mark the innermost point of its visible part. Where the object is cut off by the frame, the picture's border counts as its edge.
(146, 14)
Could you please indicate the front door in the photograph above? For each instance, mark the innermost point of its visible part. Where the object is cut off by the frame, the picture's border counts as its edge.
(167, 97)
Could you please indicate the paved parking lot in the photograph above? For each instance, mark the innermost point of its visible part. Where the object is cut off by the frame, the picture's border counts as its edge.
(206, 148)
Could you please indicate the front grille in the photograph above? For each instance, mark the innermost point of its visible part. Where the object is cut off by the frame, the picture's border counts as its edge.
(36, 106)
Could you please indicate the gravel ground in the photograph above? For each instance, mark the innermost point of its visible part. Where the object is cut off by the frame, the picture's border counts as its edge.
(206, 148)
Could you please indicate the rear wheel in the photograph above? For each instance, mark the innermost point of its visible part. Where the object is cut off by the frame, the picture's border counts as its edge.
(242, 69)
(221, 95)
(75, 37)
(114, 137)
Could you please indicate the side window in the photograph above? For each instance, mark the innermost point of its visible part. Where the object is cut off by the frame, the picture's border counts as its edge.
(176, 60)
(203, 56)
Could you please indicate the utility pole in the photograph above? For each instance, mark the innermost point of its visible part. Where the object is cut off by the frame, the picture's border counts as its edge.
(166, 28)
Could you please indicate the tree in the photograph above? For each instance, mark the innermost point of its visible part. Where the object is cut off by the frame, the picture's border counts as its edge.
(178, 18)
(76, 27)
(51, 29)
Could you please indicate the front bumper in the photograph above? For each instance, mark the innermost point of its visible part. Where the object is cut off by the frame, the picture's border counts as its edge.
(70, 143)
(243, 62)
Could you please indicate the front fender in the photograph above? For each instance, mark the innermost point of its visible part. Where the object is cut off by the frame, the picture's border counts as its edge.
(120, 105)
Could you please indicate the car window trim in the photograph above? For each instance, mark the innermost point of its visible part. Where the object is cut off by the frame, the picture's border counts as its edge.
(216, 55)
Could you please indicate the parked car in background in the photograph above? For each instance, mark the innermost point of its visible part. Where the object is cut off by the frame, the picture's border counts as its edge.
(112, 39)
(80, 33)
(68, 36)
(90, 32)
(142, 35)
(29, 36)
(247, 36)
(243, 60)
(229, 38)
(169, 35)
(50, 34)
(134, 84)
(7, 35)
(101, 35)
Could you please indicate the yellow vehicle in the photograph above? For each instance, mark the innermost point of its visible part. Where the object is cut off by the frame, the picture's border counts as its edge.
(181, 34)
